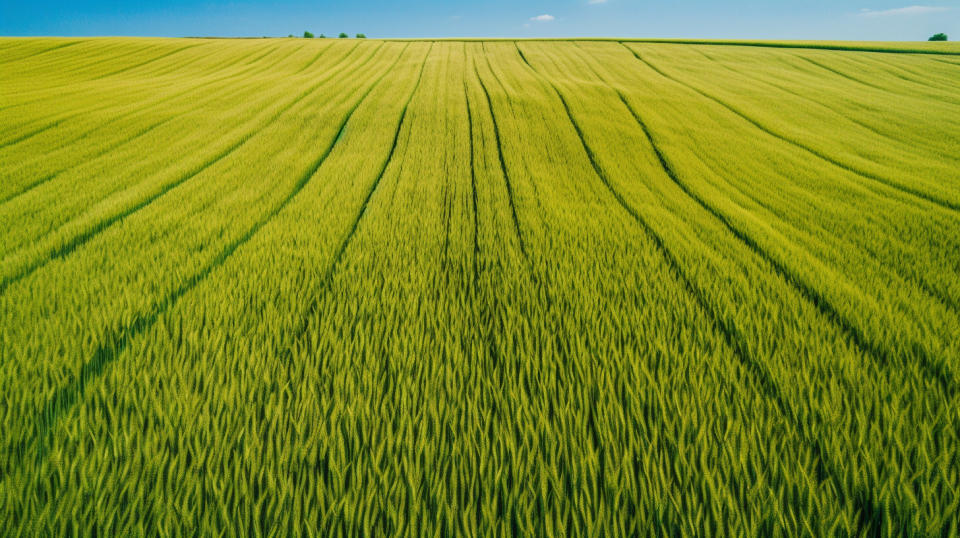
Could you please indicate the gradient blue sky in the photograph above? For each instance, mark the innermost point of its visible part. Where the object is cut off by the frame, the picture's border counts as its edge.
(810, 19)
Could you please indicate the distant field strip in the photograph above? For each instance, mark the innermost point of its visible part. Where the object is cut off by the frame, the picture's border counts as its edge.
(479, 288)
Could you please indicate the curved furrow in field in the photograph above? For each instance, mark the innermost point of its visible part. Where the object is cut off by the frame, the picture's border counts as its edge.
(79, 71)
(509, 105)
(503, 165)
(15, 270)
(786, 89)
(118, 64)
(921, 281)
(12, 196)
(930, 84)
(317, 57)
(914, 261)
(910, 147)
(954, 63)
(37, 53)
(114, 344)
(939, 367)
(352, 230)
(150, 88)
(89, 49)
(92, 88)
(473, 178)
(446, 218)
(25, 189)
(861, 81)
(879, 352)
(150, 106)
(930, 197)
(725, 326)
(731, 336)
(10, 48)
(64, 70)
(30, 132)
(872, 506)
(312, 309)
(160, 97)
(133, 173)
(141, 84)
(247, 72)
(937, 370)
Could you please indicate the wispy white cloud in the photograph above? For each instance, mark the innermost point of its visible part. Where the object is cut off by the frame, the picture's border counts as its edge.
(543, 18)
(596, 1)
(902, 11)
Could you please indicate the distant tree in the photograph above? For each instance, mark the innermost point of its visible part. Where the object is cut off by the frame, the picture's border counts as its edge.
(307, 35)
(343, 35)
(322, 36)
(361, 36)
(290, 35)
(938, 37)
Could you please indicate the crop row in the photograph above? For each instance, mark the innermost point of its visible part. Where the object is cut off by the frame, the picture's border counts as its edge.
(479, 288)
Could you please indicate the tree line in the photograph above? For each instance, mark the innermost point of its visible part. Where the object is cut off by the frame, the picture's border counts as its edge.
(343, 35)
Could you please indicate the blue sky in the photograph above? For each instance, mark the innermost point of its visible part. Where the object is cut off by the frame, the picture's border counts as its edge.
(809, 19)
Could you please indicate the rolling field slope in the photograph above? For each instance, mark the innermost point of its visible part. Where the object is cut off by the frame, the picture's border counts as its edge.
(561, 288)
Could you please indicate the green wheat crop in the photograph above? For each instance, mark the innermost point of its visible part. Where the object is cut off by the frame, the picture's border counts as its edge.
(479, 288)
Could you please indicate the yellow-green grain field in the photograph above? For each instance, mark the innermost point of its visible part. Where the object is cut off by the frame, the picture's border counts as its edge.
(282, 287)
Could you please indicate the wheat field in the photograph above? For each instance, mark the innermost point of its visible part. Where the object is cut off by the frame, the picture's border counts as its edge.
(279, 287)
